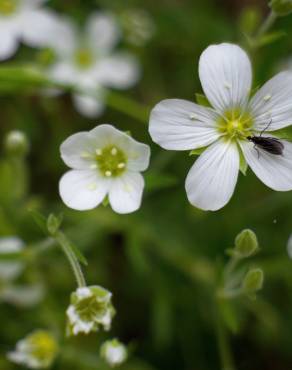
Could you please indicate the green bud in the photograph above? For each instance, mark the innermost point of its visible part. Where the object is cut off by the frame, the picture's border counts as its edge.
(54, 223)
(16, 143)
(246, 244)
(253, 281)
(281, 7)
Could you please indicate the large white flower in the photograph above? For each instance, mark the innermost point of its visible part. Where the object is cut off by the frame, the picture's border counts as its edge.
(104, 161)
(24, 20)
(88, 62)
(226, 77)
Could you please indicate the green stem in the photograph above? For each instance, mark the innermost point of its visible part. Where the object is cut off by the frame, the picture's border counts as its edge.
(267, 24)
(76, 268)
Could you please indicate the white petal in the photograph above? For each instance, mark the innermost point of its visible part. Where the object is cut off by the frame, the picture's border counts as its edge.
(273, 103)
(9, 42)
(225, 74)
(78, 151)
(88, 106)
(138, 154)
(38, 26)
(103, 32)
(275, 171)
(212, 179)
(119, 71)
(83, 190)
(181, 125)
(125, 194)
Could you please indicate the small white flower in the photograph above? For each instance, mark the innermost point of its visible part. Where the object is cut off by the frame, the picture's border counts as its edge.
(90, 309)
(37, 350)
(24, 20)
(226, 76)
(104, 161)
(88, 62)
(10, 270)
(113, 352)
(289, 247)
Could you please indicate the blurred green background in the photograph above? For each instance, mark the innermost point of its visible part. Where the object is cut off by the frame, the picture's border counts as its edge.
(162, 262)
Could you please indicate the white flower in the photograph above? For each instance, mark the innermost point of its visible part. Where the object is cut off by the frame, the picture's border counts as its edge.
(104, 161)
(88, 62)
(90, 309)
(226, 76)
(10, 270)
(38, 350)
(24, 20)
(113, 352)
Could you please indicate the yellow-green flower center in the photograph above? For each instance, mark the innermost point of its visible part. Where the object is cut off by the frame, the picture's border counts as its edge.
(111, 161)
(89, 309)
(83, 58)
(43, 346)
(8, 7)
(235, 124)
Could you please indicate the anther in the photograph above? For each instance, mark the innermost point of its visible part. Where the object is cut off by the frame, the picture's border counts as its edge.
(108, 173)
(121, 165)
(114, 151)
(98, 152)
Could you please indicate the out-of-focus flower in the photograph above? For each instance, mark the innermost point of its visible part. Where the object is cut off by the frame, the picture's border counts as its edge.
(24, 296)
(138, 26)
(24, 20)
(104, 161)
(281, 7)
(90, 310)
(114, 352)
(37, 350)
(228, 128)
(16, 143)
(87, 62)
(10, 270)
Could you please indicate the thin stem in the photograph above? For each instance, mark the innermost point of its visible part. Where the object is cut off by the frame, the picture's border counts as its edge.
(267, 24)
(227, 362)
(75, 265)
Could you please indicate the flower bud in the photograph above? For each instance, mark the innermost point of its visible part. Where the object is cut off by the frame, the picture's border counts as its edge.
(16, 143)
(37, 350)
(113, 352)
(246, 244)
(253, 281)
(281, 7)
(90, 309)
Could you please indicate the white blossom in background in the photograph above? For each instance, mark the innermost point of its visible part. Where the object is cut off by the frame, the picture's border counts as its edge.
(90, 309)
(104, 162)
(37, 350)
(88, 62)
(10, 270)
(226, 77)
(26, 21)
(113, 352)
(289, 247)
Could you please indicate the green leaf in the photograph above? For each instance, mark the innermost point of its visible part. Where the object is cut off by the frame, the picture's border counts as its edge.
(202, 100)
(40, 220)
(157, 181)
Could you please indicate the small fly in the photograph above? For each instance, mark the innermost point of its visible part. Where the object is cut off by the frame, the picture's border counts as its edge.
(271, 145)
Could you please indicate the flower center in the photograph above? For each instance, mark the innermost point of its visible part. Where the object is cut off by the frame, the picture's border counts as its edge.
(83, 58)
(235, 124)
(90, 308)
(43, 346)
(8, 7)
(111, 161)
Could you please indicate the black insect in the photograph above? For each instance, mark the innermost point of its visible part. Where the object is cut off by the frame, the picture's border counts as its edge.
(269, 144)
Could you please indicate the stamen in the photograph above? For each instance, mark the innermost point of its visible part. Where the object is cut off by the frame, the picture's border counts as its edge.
(108, 173)
(121, 165)
(114, 151)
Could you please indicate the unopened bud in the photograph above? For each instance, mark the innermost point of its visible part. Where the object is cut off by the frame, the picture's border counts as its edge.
(246, 244)
(253, 281)
(281, 7)
(16, 143)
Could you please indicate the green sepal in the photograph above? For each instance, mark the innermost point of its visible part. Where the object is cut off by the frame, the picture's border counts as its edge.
(202, 100)
(198, 151)
(105, 201)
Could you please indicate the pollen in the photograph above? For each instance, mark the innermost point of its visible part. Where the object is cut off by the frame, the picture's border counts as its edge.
(111, 161)
(114, 151)
(267, 97)
(121, 165)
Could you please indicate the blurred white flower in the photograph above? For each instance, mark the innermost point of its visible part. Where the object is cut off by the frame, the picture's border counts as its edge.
(87, 61)
(24, 20)
(104, 161)
(225, 74)
(9, 269)
(90, 309)
(37, 350)
(289, 247)
(113, 352)
(24, 296)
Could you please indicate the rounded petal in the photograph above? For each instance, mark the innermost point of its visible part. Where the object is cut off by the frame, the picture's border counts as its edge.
(83, 190)
(272, 104)
(181, 125)
(226, 75)
(138, 154)
(8, 44)
(212, 179)
(125, 194)
(119, 71)
(77, 149)
(275, 171)
(103, 32)
(88, 106)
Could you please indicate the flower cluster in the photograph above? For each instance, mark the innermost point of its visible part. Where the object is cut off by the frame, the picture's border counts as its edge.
(90, 310)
